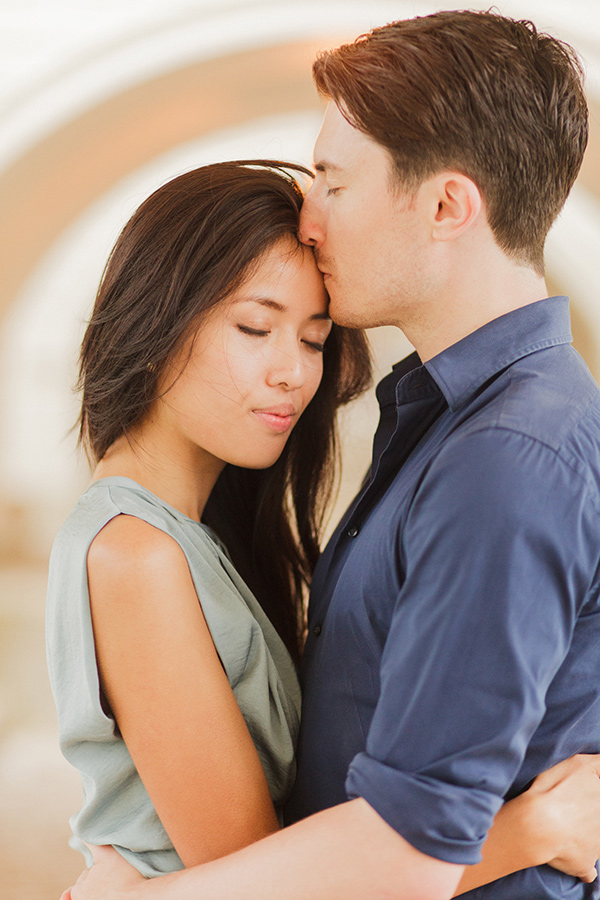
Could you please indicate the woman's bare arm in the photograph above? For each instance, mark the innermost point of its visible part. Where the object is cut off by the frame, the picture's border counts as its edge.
(170, 696)
(346, 852)
(349, 852)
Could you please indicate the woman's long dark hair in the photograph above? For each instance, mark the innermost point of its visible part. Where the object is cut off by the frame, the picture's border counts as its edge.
(191, 243)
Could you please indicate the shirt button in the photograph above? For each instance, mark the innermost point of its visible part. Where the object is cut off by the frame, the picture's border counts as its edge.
(317, 630)
(352, 531)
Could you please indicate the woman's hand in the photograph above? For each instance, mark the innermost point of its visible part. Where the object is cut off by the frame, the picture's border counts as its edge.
(568, 813)
(110, 878)
(556, 822)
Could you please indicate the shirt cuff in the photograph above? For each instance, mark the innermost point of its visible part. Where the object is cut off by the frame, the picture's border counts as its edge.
(446, 821)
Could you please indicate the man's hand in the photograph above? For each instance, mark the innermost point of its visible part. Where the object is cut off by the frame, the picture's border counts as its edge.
(569, 796)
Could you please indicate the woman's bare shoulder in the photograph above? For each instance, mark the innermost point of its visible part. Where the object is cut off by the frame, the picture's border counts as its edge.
(132, 545)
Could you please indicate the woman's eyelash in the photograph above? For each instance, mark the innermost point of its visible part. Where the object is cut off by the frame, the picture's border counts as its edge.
(331, 191)
(315, 345)
(258, 332)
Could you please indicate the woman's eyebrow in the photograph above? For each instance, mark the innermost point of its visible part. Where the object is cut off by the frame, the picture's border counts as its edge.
(278, 307)
(263, 301)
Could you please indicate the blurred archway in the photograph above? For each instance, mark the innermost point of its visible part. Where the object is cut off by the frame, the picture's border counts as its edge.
(97, 107)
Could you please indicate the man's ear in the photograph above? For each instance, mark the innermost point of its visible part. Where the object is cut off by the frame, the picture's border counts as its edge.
(456, 203)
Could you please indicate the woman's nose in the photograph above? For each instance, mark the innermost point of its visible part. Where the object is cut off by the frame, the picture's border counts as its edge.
(287, 368)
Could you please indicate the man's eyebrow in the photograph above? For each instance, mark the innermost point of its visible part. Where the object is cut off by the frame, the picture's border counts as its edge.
(278, 307)
(324, 166)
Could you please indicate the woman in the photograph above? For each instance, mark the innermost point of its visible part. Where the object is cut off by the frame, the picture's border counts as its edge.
(211, 374)
(204, 349)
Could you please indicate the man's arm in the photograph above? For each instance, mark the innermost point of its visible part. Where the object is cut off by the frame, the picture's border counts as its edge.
(555, 822)
(344, 853)
(497, 557)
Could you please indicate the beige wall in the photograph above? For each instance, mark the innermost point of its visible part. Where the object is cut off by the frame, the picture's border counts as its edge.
(55, 180)
(64, 170)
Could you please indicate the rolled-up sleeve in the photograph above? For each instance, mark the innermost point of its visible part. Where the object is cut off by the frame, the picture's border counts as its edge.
(496, 550)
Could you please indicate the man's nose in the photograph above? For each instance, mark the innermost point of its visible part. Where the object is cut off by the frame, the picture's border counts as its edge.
(310, 231)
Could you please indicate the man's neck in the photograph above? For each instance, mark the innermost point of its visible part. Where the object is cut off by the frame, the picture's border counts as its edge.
(468, 303)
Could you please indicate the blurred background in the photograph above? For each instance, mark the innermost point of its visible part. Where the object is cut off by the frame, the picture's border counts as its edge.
(100, 102)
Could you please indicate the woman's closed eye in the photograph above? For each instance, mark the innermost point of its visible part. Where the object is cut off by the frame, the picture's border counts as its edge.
(317, 346)
(256, 332)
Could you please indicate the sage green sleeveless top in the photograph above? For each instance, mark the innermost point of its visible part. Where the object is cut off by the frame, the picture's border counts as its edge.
(116, 808)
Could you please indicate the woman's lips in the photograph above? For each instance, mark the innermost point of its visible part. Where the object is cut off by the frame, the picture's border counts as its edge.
(277, 418)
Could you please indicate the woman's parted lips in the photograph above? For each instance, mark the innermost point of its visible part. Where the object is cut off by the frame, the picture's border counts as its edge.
(279, 417)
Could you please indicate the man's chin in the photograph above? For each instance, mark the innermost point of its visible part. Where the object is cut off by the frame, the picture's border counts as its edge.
(339, 309)
(345, 313)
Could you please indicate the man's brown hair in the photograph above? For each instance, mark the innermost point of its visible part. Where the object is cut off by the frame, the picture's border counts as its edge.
(476, 92)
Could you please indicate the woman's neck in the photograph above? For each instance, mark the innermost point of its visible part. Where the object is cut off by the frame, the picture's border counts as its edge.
(182, 475)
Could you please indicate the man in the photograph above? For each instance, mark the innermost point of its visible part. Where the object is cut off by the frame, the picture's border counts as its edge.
(454, 630)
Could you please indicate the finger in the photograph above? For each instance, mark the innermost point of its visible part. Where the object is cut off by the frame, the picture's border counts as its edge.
(590, 876)
(545, 781)
(594, 760)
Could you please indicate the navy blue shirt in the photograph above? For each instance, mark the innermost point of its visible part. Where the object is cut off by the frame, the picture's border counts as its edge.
(454, 623)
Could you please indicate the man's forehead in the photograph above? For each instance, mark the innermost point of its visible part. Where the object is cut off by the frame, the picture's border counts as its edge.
(331, 147)
(341, 146)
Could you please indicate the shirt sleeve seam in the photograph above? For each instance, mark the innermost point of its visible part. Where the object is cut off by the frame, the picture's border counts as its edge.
(571, 464)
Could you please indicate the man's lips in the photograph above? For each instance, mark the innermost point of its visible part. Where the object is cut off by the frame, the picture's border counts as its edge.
(277, 418)
(322, 267)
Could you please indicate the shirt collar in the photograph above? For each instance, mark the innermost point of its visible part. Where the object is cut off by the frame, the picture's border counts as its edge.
(386, 389)
(460, 370)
